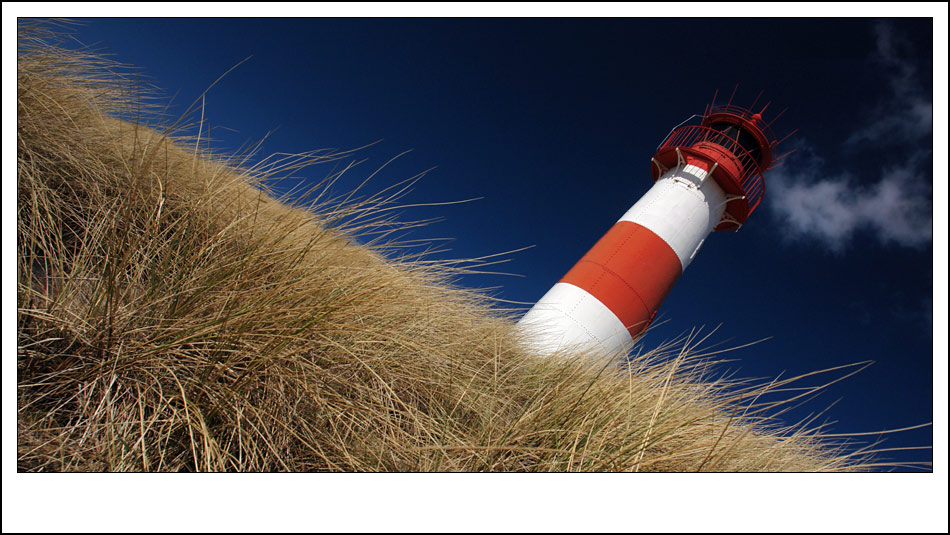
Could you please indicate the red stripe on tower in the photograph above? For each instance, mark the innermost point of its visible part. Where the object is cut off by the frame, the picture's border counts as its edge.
(630, 270)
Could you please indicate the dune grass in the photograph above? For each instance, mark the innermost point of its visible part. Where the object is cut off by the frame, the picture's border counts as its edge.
(173, 315)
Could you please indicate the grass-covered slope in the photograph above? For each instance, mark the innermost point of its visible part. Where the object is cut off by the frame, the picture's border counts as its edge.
(172, 316)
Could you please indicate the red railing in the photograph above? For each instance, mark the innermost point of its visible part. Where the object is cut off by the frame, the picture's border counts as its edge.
(745, 114)
(749, 182)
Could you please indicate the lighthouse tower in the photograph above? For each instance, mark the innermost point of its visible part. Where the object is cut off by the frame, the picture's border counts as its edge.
(708, 176)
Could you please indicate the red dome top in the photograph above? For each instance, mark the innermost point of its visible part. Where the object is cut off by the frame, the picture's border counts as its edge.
(759, 138)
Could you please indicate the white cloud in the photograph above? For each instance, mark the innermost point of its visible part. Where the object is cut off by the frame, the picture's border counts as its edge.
(896, 207)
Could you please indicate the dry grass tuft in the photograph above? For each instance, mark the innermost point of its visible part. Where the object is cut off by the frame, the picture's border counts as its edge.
(172, 316)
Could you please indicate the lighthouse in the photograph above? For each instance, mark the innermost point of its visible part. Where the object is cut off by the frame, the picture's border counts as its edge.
(708, 175)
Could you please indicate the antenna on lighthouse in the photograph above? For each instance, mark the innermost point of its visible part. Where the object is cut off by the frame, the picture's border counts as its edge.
(708, 175)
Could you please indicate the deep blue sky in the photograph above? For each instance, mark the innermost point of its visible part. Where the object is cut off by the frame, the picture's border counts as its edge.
(553, 122)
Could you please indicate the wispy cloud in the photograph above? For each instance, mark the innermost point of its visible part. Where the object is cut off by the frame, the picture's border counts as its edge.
(907, 114)
(896, 207)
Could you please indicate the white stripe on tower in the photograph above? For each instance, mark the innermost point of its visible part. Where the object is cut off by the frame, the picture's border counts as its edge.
(681, 208)
(568, 316)
(612, 293)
